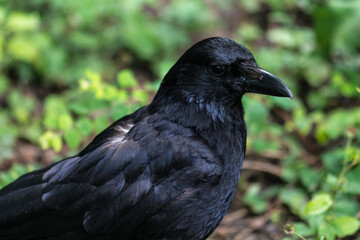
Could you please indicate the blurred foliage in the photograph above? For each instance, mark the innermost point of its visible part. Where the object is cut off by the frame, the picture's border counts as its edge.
(70, 68)
(89, 109)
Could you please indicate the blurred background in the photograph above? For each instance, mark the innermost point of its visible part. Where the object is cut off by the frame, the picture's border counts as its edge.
(70, 68)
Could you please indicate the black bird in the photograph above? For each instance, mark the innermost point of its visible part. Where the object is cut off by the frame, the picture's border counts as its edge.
(167, 171)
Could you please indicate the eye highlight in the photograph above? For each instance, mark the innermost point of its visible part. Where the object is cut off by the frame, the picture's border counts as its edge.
(217, 69)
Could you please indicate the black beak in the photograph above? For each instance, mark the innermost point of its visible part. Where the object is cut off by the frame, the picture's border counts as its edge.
(267, 84)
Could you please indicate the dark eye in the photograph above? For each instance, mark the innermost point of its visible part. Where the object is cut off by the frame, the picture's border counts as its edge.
(218, 69)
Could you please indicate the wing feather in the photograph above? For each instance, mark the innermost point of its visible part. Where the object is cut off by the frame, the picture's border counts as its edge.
(112, 189)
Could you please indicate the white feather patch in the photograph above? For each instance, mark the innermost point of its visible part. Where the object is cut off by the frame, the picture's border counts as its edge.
(123, 130)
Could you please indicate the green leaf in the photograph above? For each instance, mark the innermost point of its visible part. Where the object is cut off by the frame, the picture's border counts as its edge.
(352, 184)
(72, 138)
(251, 6)
(65, 122)
(286, 104)
(22, 49)
(1, 46)
(290, 174)
(44, 140)
(345, 87)
(4, 82)
(346, 225)
(140, 96)
(100, 123)
(254, 199)
(327, 230)
(295, 198)
(84, 126)
(282, 36)
(86, 104)
(119, 111)
(54, 107)
(319, 204)
(21, 106)
(33, 131)
(82, 39)
(331, 179)
(326, 20)
(126, 79)
(122, 96)
(256, 114)
(8, 135)
(50, 139)
(18, 22)
(56, 142)
(345, 205)
(2, 15)
(110, 92)
(303, 229)
(309, 178)
(333, 159)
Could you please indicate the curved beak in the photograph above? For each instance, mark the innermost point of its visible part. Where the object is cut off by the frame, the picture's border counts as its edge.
(267, 84)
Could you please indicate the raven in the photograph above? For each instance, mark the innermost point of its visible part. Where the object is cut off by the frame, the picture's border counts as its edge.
(167, 171)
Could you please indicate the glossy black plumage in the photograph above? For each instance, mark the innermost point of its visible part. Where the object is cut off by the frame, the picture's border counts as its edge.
(167, 171)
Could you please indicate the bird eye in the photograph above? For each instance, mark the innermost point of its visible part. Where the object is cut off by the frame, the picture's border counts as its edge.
(218, 69)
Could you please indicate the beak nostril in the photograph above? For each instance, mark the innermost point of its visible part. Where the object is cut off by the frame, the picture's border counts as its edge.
(264, 82)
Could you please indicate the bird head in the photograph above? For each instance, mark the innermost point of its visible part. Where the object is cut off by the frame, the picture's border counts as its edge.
(219, 68)
(208, 81)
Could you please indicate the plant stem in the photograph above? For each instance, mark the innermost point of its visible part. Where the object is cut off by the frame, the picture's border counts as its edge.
(299, 236)
(342, 173)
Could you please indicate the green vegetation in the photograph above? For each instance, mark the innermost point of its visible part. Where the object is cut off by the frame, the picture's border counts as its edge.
(70, 68)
